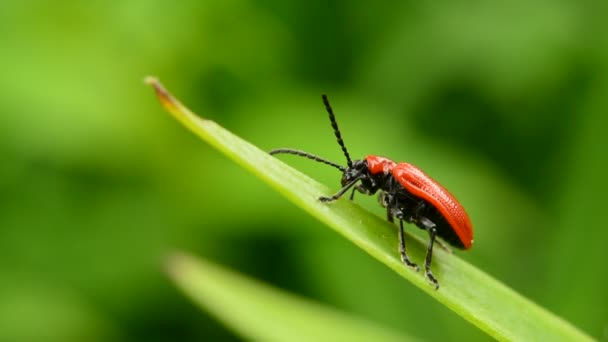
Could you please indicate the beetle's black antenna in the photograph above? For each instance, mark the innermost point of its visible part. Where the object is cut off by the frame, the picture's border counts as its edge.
(307, 155)
(334, 124)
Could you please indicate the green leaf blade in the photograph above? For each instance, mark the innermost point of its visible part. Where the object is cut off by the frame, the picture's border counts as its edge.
(482, 300)
(262, 313)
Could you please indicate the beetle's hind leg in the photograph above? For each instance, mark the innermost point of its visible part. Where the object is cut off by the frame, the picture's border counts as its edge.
(431, 228)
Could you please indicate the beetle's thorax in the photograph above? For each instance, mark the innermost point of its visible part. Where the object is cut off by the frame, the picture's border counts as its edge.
(371, 180)
(378, 165)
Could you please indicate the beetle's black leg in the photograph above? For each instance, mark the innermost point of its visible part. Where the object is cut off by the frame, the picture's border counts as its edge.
(359, 188)
(383, 198)
(418, 211)
(389, 215)
(406, 260)
(431, 228)
(339, 193)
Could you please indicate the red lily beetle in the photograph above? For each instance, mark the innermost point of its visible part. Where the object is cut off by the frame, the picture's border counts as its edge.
(406, 192)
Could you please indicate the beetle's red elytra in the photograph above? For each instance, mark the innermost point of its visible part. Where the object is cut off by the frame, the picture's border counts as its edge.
(423, 186)
(406, 192)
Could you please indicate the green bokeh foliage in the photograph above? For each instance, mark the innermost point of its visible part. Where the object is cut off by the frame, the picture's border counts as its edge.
(505, 104)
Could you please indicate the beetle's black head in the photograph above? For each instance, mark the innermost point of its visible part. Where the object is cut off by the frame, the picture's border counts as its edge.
(358, 170)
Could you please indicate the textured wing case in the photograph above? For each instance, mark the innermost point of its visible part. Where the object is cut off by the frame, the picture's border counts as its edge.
(420, 185)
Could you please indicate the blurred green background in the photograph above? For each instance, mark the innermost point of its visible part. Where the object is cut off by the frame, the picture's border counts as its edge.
(506, 104)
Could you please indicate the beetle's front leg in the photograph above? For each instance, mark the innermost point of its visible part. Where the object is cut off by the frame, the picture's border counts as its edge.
(360, 188)
(339, 193)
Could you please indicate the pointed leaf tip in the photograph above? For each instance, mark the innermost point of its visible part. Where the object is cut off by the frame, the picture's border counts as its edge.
(167, 100)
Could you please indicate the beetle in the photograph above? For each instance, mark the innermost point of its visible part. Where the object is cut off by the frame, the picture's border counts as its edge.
(407, 193)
